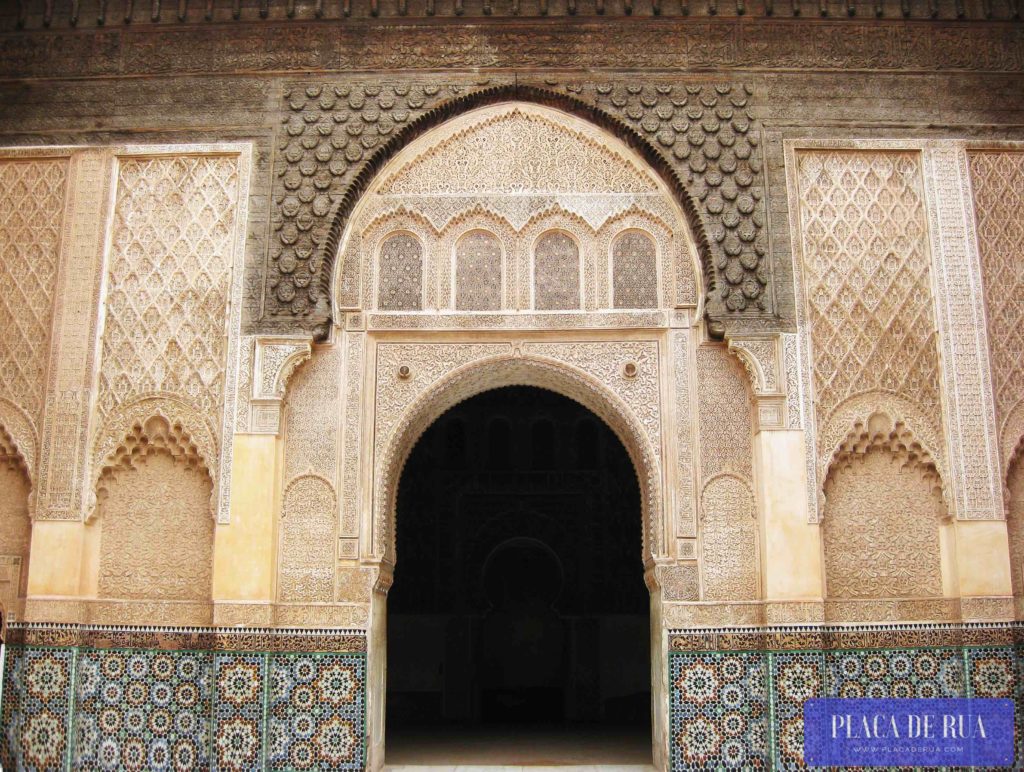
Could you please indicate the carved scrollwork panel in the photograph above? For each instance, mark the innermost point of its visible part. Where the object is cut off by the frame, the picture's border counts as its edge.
(881, 524)
(308, 531)
(729, 540)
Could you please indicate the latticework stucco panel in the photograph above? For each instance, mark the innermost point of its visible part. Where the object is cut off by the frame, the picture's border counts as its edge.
(548, 235)
(169, 281)
(373, 239)
(864, 285)
(661, 280)
(997, 179)
(32, 196)
(473, 224)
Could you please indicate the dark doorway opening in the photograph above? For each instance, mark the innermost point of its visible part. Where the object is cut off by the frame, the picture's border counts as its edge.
(518, 621)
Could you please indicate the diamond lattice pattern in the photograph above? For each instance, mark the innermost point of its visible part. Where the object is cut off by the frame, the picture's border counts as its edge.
(998, 179)
(866, 274)
(169, 281)
(31, 205)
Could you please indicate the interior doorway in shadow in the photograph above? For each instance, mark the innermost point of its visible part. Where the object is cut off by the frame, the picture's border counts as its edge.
(518, 621)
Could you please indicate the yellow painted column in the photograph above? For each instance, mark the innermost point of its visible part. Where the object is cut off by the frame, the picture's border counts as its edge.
(55, 560)
(790, 545)
(983, 558)
(243, 557)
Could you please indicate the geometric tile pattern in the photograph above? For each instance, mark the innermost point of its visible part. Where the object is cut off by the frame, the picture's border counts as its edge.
(317, 711)
(36, 709)
(142, 709)
(719, 706)
(796, 676)
(236, 710)
(765, 713)
(239, 685)
(70, 708)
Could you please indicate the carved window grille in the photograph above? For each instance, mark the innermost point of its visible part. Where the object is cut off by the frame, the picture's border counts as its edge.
(478, 272)
(400, 287)
(556, 273)
(634, 271)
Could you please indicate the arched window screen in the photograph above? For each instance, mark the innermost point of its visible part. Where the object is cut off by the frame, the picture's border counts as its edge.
(400, 287)
(556, 273)
(634, 271)
(478, 272)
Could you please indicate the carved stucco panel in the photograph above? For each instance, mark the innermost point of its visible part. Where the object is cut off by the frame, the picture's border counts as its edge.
(997, 178)
(864, 293)
(32, 195)
(729, 540)
(156, 541)
(309, 525)
(63, 449)
(354, 344)
(975, 484)
(442, 374)
(881, 527)
(312, 417)
(487, 158)
(686, 509)
(725, 419)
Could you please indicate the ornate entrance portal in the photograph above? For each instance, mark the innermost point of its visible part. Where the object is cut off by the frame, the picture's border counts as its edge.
(519, 606)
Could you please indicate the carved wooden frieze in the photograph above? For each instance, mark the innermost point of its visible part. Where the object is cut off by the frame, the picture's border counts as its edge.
(719, 43)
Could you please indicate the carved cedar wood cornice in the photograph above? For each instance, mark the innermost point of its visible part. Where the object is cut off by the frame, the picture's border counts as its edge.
(34, 14)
